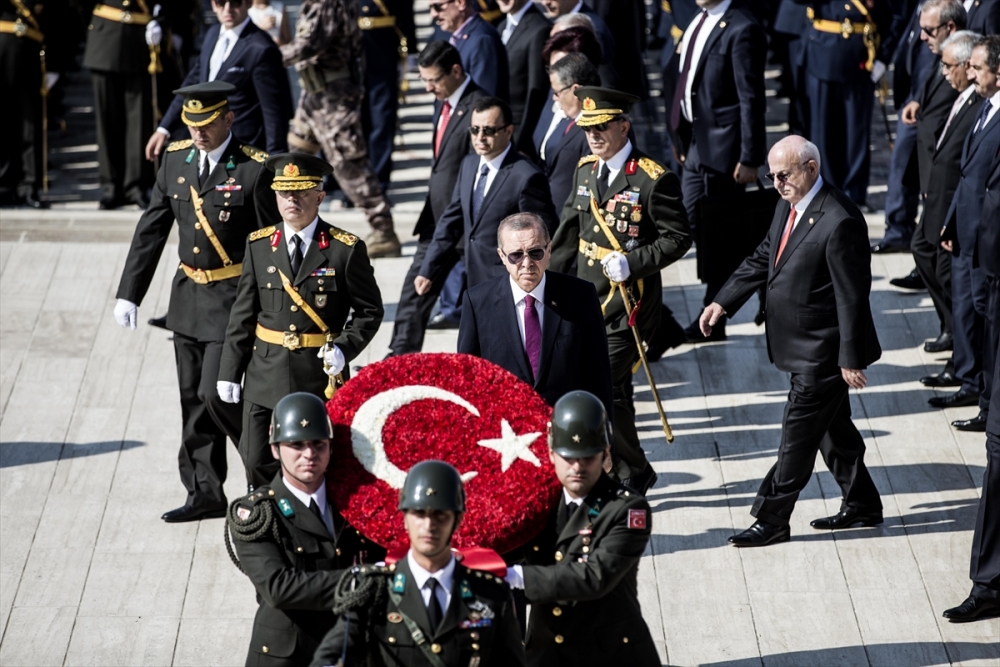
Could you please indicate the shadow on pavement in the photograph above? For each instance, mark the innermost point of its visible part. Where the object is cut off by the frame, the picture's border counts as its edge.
(25, 453)
(912, 654)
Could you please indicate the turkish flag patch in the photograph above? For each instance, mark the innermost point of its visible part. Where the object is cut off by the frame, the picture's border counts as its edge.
(637, 519)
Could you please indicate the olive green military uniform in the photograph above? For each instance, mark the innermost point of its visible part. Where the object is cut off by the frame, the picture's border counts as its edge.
(294, 562)
(643, 213)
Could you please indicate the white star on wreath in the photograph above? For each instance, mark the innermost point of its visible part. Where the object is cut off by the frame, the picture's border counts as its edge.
(512, 447)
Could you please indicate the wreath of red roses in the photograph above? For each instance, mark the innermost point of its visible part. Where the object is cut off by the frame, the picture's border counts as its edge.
(504, 509)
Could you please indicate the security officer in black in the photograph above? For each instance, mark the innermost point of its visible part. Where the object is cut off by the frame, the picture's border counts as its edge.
(623, 223)
(291, 542)
(581, 572)
(288, 330)
(217, 191)
(427, 609)
(388, 33)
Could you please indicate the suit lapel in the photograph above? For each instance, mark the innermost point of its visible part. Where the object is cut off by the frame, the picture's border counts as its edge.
(497, 183)
(504, 302)
(211, 37)
(303, 518)
(550, 326)
(959, 115)
(314, 257)
(713, 37)
(803, 226)
(457, 114)
(238, 47)
(412, 603)
(977, 140)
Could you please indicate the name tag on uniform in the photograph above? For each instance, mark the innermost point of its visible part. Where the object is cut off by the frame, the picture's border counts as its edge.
(323, 273)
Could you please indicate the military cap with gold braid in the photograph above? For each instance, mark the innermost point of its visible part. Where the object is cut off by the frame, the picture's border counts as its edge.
(601, 105)
(297, 171)
(204, 102)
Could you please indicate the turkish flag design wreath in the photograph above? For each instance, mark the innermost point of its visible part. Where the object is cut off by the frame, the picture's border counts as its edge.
(453, 407)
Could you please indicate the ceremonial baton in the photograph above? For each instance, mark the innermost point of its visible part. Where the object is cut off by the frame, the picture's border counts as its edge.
(667, 431)
(155, 67)
(883, 95)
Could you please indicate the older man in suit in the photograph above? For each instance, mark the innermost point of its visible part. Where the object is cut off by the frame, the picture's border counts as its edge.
(494, 183)
(523, 32)
(455, 93)
(556, 8)
(819, 329)
(483, 53)
(238, 52)
(536, 323)
(961, 236)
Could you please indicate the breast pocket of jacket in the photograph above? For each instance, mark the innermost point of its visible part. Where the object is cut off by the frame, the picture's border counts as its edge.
(271, 298)
(224, 200)
(322, 291)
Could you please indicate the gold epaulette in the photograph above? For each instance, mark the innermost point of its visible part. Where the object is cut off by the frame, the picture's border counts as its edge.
(263, 233)
(587, 159)
(255, 153)
(651, 168)
(343, 237)
(179, 145)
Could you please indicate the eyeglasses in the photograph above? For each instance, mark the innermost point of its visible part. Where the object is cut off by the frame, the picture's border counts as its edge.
(438, 6)
(535, 255)
(487, 130)
(235, 4)
(557, 93)
(783, 176)
(947, 67)
(600, 127)
(931, 31)
(434, 80)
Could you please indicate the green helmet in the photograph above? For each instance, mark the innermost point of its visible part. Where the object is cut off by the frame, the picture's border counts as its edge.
(433, 485)
(298, 417)
(579, 426)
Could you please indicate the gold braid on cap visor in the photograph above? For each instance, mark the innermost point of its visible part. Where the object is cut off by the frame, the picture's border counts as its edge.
(588, 118)
(287, 183)
(194, 106)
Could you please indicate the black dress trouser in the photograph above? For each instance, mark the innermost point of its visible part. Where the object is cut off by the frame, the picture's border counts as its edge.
(817, 418)
(124, 122)
(628, 458)
(255, 448)
(934, 266)
(413, 310)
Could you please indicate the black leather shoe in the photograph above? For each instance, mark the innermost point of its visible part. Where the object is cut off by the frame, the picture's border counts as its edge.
(642, 482)
(668, 335)
(960, 399)
(911, 281)
(32, 201)
(142, 201)
(694, 335)
(109, 204)
(760, 534)
(439, 322)
(972, 609)
(942, 379)
(881, 248)
(942, 343)
(158, 322)
(848, 518)
(188, 513)
(976, 425)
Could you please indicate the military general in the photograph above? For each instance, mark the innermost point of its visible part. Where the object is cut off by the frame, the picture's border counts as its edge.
(289, 328)
(623, 223)
(217, 191)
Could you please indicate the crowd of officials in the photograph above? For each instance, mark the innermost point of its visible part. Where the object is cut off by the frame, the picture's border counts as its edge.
(542, 239)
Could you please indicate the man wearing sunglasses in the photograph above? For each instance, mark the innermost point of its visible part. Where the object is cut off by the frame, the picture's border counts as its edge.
(493, 184)
(623, 223)
(544, 327)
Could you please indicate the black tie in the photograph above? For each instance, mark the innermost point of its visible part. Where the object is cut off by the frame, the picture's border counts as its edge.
(203, 174)
(296, 258)
(602, 181)
(981, 121)
(433, 606)
(314, 508)
(563, 519)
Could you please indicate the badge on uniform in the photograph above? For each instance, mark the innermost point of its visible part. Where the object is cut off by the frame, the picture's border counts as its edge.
(223, 216)
(324, 240)
(323, 273)
(321, 300)
(637, 519)
(482, 609)
(394, 617)
(466, 591)
(582, 191)
(610, 206)
(272, 269)
(275, 240)
(399, 583)
(636, 213)
(633, 230)
(595, 510)
(285, 507)
(230, 164)
(243, 513)
(621, 226)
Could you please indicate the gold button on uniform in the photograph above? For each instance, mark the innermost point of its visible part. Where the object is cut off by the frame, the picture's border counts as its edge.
(196, 250)
(559, 639)
(535, 548)
(197, 225)
(597, 228)
(292, 327)
(474, 636)
(624, 640)
(475, 647)
(265, 649)
(294, 309)
(392, 640)
(557, 611)
(299, 549)
(558, 556)
(270, 492)
(586, 550)
(435, 648)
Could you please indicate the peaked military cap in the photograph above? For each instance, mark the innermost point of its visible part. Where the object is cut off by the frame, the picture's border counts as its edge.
(601, 105)
(297, 171)
(299, 417)
(204, 102)
(579, 426)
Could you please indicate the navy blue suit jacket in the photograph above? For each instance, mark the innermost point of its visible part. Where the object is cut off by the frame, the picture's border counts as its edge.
(484, 57)
(984, 17)
(519, 187)
(961, 224)
(262, 102)
(604, 35)
(989, 222)
(574, 342)
(562, 157)
(913, 64)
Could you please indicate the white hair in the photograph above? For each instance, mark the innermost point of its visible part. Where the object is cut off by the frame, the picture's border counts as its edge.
(803, 149)
(576, 20)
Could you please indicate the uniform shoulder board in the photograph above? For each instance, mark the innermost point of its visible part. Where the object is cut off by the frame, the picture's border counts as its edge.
(344, 237)
(653, 169)
(587, 159)
(179, 145)
(263, 233)
(255, 153)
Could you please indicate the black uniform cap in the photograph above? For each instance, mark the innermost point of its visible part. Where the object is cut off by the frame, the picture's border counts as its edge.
(299, 417)
(297, 171)
(601, 105)
(204, 102)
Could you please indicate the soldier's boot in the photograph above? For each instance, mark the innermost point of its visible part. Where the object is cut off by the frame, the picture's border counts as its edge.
(360, 184)
(383, 244)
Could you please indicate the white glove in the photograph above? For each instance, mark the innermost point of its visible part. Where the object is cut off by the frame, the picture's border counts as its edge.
(126, 314)
(616, 266)
(878, 70)
(333, 358)
(515, 576)
(153, 33)
(229, 392)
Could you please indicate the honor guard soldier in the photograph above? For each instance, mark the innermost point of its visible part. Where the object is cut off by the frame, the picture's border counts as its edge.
(327, 54)
(427, 610)
(291, 542)
(623, 222)
(217, 191)
(581, 574)
(288, 330)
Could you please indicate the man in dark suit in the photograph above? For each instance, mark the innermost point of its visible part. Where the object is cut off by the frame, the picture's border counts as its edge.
(217, 192)
(455, 92)
(989, 261)
(556, 8)
(523, 32)
(961, 233)
(483, 54)
(238, 52)
(493, 184)
(544, 327)
(947, 112)
(789, 31)
(819, 329)
(626, 21)
(984, 17)
(716, 116)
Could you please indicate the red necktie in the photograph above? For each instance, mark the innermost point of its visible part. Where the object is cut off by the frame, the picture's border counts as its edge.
(442, 126)
(569, 127)
(785, 235)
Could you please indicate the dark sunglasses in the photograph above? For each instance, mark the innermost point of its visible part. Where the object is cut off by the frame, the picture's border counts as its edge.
(783, 176)
(535, 255)
(486, 130)
(600, 127)
(438, 6)
(235, 4)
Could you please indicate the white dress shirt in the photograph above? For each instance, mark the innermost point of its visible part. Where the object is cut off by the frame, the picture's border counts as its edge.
(616, 162)
(557, 117)
(960, 102)
(223, 47)
(494, 166)
(213, 156)
(445, 577)
(513, 20)
(321, 500)
(520, 306)
(567, 499)
(714, 15)
(803, 204)
(306, 235)
(452, 101)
